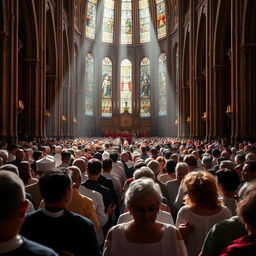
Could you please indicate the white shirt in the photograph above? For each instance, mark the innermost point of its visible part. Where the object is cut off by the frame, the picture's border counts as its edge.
(119, 170)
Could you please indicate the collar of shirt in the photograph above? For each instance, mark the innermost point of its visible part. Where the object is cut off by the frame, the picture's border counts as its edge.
(11, 244)
(53, 214)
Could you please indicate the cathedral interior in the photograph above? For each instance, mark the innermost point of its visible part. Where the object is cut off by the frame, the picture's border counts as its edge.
(164, 68)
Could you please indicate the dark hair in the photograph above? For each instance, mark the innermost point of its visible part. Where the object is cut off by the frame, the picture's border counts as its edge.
(98, 156)
(216, 152)
(228, 179)
(252, 164)
(24, 171)
(37, 155)
(139, 165)
(170, 166)
(107, 164)
(54, 185)
(167, 154)
(94, 166)
(65, 154)
(113, 156)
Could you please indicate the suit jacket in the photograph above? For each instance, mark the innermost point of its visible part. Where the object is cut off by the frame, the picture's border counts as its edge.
(105, 192)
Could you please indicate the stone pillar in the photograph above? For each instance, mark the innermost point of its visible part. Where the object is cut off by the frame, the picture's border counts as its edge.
(33, 105)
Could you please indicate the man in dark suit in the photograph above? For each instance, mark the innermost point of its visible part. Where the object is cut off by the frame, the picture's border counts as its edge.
(94, 172)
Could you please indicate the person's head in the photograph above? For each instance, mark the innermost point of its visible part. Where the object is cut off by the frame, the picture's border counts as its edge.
(125, 156)
(13, 148)
(227, 179)
(98, 156)
(225, 154)
(190, 160)
(66, 156)
(250, 157)
(58, 149)
(207, 162)
(181, 169)
(249, 171)
(174, 157)
(114, 156)
(94, 167)
(13, 205)
(143, 172)
(216, 153)
(154, 152)
(24, 171)
(20, 154)
(143, 199)
(246, 209)
(55, 187)
(75, 176)
(227, 164)
(144, 149)
(170, 166)
(107, 165)
(4, 155)
(37, 155)
(238, 169)
(201, 190)
(154, 166)
(161, 161)
(81, 164)
(10, 168)
(239, 159)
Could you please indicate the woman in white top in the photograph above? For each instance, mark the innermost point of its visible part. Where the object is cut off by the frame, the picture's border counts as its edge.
(144, 235)
(202, 210)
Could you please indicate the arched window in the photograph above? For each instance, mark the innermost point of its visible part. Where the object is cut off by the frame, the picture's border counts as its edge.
(126, 22)
(91, 18)
(126, 86)
(89, 84)
(161, 18)
(144, 18)
(162, 85)
(108, 21)
(145, 81)
(106, 87)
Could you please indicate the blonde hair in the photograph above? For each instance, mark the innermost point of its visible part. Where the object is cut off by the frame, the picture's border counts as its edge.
(201, 190)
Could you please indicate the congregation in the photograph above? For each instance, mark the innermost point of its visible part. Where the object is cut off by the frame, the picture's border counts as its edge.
(110, 196)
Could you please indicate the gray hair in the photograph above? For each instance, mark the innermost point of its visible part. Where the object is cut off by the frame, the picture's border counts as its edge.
(181, 165)
(250, 156)
(140, 189)
(143, 172)
(12, 193)
(227, 164)
(154, 166)
(207, 162)
(4, 155)
(75, 173)
(10, 168)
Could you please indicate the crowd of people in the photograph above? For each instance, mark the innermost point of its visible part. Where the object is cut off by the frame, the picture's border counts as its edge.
(111, 196)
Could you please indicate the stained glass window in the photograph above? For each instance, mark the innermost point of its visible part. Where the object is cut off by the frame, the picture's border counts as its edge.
(91, 18)
(144, 17)
(161, 18)
(126, 22)
(145, 81)
(162, 85)
(126, 86)
(108, 21)
(106, 87)
(89, 79)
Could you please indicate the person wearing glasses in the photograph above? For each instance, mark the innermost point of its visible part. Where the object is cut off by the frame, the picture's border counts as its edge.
(144, 235)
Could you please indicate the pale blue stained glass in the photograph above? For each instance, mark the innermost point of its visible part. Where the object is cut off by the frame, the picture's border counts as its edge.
(91, 18)
(108, 21)
(162, 85)
(145, 82)
(144, 18)
(89, 84)
(126, 22)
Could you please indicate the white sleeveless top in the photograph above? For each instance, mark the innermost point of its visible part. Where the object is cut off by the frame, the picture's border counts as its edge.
(120, 246)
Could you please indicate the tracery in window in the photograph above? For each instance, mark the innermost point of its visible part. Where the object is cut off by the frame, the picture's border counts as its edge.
(126, 86)
(161, 18)
(126, 22)
(144, 18)
(162, 85)
(91, 18)
(106, 87)
(145, 82)
(89, 84)
(108, 21)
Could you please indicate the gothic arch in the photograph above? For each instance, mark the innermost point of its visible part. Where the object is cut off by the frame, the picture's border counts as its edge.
(200, 83)
(222, 70)
(31, 28)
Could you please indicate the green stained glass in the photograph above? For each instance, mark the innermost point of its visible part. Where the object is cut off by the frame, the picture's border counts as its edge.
(126, 22)
(108, 21)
